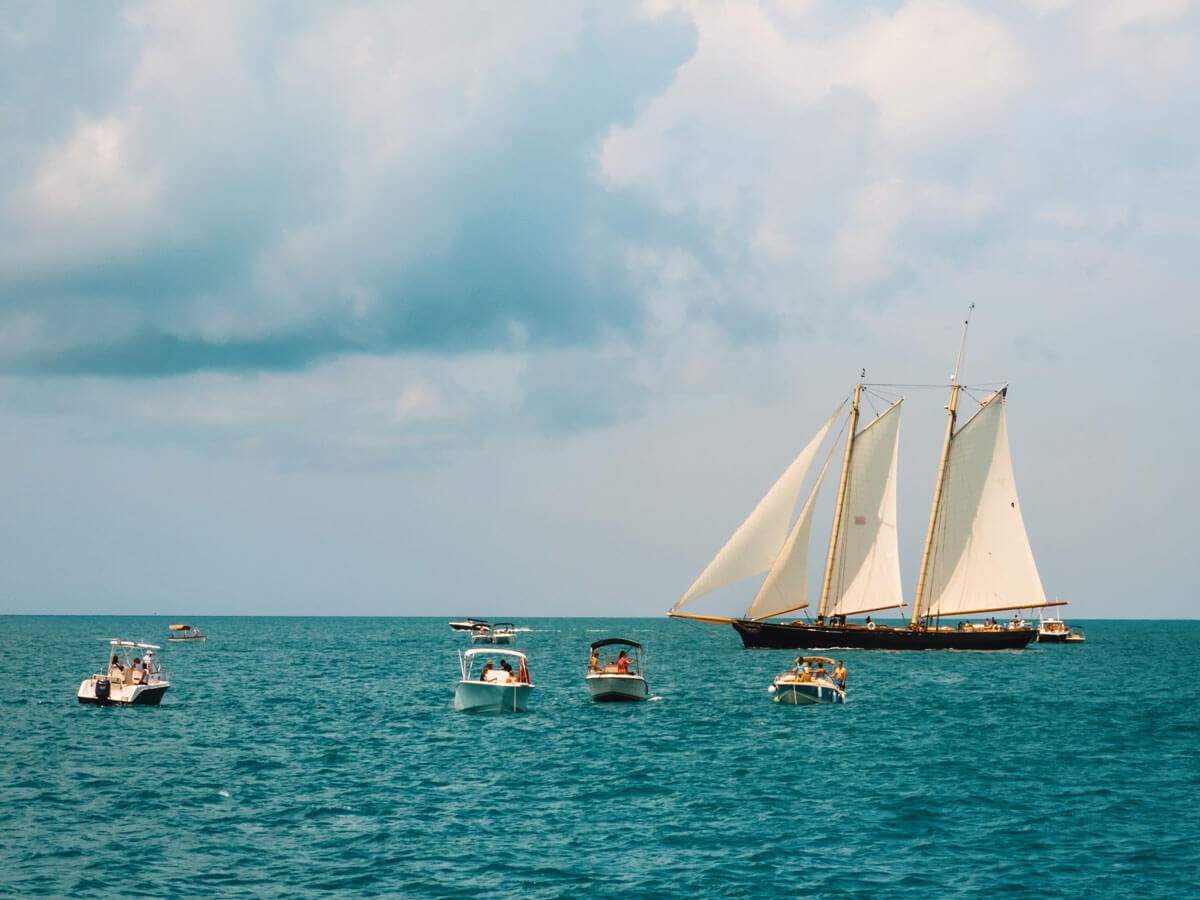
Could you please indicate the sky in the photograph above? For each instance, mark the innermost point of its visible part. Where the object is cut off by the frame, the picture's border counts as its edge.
(517, 309)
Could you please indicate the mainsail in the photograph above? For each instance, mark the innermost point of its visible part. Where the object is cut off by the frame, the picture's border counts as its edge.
(979, 557)
(755, 546)
(864, 574)
(786, 586)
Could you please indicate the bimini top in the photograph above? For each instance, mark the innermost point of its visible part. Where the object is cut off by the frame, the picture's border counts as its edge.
(816, 659)
(610, 641)
(135, 644)
(179, 627)
(491, 651)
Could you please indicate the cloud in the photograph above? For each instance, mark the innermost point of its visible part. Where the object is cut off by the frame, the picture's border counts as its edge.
(266, 194)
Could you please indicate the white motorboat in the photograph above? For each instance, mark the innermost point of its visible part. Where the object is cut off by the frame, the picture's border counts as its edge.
(618, 677)
(497, 687)
(803, 686)
(1056, 631)
(185, 633)
(500, 633)
(469, 625)
(133, 676)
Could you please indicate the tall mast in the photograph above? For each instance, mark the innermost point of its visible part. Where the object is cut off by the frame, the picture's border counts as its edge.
(941, 476)
(841, 501)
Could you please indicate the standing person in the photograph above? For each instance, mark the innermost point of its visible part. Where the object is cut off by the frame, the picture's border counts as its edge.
(839, 675)
(508, 670)
(138, 670)
(622, 664)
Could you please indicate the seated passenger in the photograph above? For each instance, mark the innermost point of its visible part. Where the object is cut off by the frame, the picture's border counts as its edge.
(137, 672)
(486, 671)
(594, 662)
(821, 673)
(116, 671)
(507, 674)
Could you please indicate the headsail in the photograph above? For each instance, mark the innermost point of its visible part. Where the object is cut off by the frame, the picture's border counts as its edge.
(980, 559)
(786, 586)
(756, 544)
(865, 571)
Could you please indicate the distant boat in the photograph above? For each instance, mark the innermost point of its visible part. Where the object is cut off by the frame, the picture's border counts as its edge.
(500, 633)
(803, 687)
(619, 677)
(977, 557)
(494, 688)
(186, 633)
(469, 624)
(132, 676)
(1056, 631)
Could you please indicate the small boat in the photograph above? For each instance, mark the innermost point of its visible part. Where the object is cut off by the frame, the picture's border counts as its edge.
(469, 624)
(1056, 631)
(119, 685)
(617, 678)
(186, 633)
(802, 686)
(496, 688)
(500, 633)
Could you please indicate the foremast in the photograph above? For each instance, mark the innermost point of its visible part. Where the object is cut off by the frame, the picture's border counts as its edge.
(951, 409)
(839, 508)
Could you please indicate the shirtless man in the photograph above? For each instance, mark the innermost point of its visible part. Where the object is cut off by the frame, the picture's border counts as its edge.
(839, 675)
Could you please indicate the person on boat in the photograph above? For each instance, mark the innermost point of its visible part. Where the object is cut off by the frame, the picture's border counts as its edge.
(138, 670)
(839, 675)
(796, 666)
(115, 669)
(508, 675)
(594, 662)
(485, 671)
(622, 664)
(821, 673)
(868, 622)
(806, 671)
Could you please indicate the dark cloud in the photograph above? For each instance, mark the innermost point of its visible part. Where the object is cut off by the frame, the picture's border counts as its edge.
(528, 253)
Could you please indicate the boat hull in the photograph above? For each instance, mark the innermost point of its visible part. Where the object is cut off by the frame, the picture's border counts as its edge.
(807, 693)
(202, 638)
(122, 694)
(617, 688)
(800, 636)
(479, 696)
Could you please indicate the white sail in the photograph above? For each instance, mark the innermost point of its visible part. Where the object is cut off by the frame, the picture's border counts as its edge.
(756, 543)
(865, 575)
(980, 560)
(786, 586)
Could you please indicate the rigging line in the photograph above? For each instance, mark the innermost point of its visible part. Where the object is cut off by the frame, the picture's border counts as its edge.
(978, 385)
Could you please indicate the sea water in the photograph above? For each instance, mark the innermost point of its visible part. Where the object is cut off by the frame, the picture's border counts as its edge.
(298, 757)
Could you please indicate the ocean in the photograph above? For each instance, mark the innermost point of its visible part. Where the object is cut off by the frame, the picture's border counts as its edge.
(304, 757)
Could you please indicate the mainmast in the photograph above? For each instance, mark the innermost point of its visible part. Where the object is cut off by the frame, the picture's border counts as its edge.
(941, 476)
(841, 502)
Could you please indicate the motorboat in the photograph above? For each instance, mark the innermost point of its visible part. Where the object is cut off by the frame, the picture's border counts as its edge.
(132, 676)
(494, 687)
(469, 625)
(803, 686)
(185, 633)
(500, 633)
(617, 676)
(1056, 631)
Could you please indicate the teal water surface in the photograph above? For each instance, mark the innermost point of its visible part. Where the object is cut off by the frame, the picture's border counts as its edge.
(300, 757)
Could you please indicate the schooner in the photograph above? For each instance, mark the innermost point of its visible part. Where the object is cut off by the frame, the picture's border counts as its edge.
(976, 559)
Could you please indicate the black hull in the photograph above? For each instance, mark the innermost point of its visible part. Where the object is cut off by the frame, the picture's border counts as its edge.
(800, 636)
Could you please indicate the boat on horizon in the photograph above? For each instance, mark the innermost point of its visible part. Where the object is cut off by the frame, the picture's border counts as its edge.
(185, 633)
(133, 676)
(1056, 631)
(977, 558)
(470, 624)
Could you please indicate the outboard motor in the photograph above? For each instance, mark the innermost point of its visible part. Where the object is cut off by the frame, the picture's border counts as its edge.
(102, 688)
